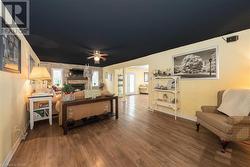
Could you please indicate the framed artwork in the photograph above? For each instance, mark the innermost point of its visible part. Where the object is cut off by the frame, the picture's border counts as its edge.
(10, 51)
(32, 64)
(202, 64)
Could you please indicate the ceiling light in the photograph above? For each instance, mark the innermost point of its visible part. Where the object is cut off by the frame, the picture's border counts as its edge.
(97, 59)
(97, 52)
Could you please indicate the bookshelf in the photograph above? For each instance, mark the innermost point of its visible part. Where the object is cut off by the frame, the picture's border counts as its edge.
(166, 94)
(120, 85)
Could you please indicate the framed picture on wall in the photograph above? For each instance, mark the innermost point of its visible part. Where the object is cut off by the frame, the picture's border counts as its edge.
(10, 51)
(202, 64)
(32, 64)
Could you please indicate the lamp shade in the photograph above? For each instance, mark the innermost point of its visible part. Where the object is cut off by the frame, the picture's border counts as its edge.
(39, 73)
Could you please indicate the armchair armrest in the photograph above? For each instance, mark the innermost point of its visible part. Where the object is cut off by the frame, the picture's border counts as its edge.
(234, 120)
(58, 106)
(209, 108)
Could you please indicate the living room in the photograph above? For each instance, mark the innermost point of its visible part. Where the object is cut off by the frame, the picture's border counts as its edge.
(166, 84)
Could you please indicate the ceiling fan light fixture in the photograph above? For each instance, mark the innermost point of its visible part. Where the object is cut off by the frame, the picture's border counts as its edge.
(97, 56)
(97, 59)
(97, 52)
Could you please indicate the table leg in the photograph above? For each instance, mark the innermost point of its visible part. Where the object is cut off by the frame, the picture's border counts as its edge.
(31, 115)
(111, 107)
(65, 128)
(116, 108)
(64, 119)
(50, 112)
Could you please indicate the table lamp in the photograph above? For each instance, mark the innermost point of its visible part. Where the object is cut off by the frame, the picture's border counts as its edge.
(40, 74)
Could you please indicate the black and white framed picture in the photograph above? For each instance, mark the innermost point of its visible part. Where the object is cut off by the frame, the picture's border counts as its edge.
(201, 64)
(32, 64)
(10, 51)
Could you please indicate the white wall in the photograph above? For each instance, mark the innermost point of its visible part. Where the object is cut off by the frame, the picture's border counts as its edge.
(14, 89)
(234, 70)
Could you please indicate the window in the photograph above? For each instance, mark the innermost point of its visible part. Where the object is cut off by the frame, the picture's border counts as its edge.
(95, 78)
(57, 77)
(145, 76)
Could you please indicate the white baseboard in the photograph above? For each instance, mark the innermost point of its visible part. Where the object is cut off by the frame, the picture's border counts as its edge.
(11, 152)
(189, 117)
(184, 116)
(14, 147)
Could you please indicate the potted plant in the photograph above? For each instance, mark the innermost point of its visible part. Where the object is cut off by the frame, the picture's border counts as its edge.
(68, 92)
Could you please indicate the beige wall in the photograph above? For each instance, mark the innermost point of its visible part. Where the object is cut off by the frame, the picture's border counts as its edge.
(14, 89)
(234, 70)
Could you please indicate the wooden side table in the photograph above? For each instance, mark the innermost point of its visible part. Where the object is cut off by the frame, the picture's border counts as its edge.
(33, 99)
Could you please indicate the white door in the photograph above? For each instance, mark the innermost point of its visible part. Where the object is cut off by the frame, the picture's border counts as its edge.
(131, 83)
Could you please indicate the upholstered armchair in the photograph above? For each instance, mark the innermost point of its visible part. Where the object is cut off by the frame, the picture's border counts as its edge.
(228, 129)
(143, 89)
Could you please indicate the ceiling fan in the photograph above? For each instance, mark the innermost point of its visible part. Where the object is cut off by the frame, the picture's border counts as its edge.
(97, 56)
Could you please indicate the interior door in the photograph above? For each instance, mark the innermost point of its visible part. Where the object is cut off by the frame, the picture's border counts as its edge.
(131, 83)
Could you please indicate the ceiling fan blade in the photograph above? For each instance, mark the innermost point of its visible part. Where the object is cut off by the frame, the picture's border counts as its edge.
(104, 54)
(91, 57)
(103, 58)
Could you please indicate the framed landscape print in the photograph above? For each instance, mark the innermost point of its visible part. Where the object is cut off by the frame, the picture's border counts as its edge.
(201, 64)
(10, 52)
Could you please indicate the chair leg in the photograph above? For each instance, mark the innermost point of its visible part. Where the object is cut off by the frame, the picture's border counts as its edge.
(224, 145)
(197, 126)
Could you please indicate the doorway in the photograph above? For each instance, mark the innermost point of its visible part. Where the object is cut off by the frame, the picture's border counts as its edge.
(130, 83)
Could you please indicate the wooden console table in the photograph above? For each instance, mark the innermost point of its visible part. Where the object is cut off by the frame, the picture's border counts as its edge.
(87, 101)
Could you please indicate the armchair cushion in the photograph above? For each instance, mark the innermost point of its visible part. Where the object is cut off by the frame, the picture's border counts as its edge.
(234, 120)
(209, 108)
(216, 120)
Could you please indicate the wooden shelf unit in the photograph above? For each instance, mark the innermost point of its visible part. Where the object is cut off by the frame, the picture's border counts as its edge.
(173, 92)
(120, 85)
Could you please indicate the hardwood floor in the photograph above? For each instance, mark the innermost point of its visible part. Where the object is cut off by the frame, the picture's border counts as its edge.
(137, 138)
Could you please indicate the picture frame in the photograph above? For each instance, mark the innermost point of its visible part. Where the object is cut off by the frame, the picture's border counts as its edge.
(10, 51)
(32, 64)
(199, 64)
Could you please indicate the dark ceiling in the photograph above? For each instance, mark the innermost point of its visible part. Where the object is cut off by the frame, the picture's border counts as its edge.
(64, 31)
